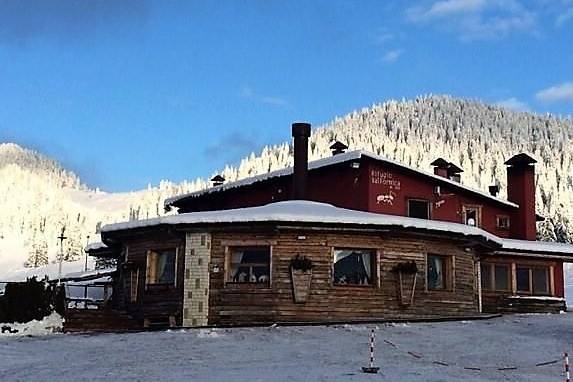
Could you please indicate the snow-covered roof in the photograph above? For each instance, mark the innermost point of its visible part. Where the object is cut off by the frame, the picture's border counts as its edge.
(301, 211)
(537, 246)
(74, 269)
(95, 246)
(329, 161)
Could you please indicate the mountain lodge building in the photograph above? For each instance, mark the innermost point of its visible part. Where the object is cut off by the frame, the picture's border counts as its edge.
(384, 240)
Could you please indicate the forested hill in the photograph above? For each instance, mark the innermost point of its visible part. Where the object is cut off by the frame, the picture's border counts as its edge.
(37, 196)
(476, 136)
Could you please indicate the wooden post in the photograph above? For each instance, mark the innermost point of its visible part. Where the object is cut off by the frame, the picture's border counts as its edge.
(480, 303)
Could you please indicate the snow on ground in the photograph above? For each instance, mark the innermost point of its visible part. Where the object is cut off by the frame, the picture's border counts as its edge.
(321, 353)
(48, 325)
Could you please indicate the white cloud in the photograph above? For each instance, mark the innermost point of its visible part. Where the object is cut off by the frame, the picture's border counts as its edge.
(248, 93)
(276, 101)
(476, 19)
(392, 55)
(446, 8)
(564, 18)
(558, 93)
(513, 104)
(383, 37)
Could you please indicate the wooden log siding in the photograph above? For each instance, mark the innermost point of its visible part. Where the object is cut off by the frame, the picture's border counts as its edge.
(254, 304)
(156, 302)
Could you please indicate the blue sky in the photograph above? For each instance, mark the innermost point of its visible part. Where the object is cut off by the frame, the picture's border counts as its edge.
(130, 92)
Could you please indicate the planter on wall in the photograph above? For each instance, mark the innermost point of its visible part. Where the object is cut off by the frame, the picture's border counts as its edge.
(301, 281)
(406, 288)
(406, 276)
(301, 274)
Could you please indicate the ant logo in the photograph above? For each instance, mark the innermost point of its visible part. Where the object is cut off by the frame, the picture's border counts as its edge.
(386, 198)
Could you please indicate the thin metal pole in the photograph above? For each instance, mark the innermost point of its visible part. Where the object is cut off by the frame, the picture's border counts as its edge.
(371, 368)
(86, 265)
(61, 238)
(567, 373)
(372, 348)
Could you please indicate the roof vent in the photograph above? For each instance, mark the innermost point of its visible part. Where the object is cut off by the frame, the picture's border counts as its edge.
(454, 172)
(338, 148)
(440, 167)
(446, 169)
(494, 190)
(440, 163)
(217, 180)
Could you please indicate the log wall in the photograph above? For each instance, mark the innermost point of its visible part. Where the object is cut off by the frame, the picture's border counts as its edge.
(155, 303)
(235, 304)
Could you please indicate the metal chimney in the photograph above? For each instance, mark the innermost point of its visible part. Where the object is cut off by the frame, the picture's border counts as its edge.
(300, 133)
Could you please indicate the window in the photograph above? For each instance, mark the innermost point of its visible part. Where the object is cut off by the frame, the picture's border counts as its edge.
(533, 280)
(133, 282)
(486, 280)
(418, 209)
(438, 272)
(354, 266)
(249, 265)
(502, 222)
(540, 280)
(161, 267)
(472, 215)
(501, 277)
(523, 279)
(495, 276)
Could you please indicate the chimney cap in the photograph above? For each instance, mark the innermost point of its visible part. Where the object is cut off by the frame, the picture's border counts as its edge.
(521, 159)
(338, 148)
(301, 129)
(453, 169)
(440, 163)
(217, 178)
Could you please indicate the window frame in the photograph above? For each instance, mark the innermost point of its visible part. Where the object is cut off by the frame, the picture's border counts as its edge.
(176, 267)
(494, 279)
(428, 203)
(492, 287)
(134, 285)
(449, 272)
(374, 266)
(478, 208)
(499, 226)
(530, 268)
(489, 272)
(229, 248)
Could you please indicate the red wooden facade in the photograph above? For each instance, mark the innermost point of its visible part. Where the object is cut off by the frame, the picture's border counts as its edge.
(373, 185)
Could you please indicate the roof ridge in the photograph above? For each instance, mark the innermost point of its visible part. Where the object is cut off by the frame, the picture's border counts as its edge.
(328, 161)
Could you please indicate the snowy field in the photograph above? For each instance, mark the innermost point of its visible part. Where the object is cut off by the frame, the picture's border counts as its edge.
(321, 353)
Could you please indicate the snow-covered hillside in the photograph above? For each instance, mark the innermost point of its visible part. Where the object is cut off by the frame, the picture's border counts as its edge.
(38, 196)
